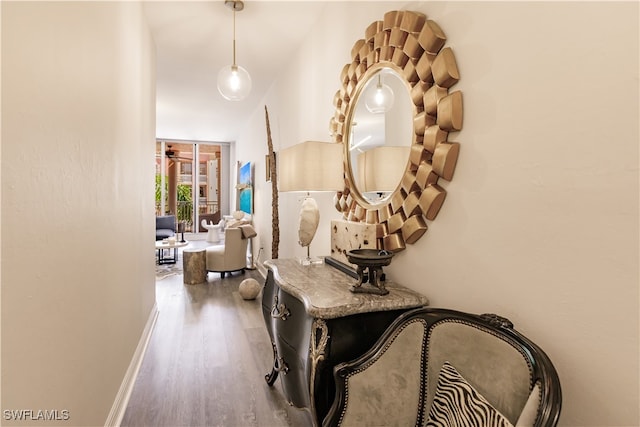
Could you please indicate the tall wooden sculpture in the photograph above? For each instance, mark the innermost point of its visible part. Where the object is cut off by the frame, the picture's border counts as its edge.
(275, 220)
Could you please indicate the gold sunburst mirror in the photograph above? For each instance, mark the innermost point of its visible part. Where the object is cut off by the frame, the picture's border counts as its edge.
(397, 151)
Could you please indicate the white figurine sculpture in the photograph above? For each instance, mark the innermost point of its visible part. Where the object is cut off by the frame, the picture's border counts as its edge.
(308, 221)
(214, 230)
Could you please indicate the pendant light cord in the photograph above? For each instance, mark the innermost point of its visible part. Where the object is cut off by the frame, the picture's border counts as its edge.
(234, 37)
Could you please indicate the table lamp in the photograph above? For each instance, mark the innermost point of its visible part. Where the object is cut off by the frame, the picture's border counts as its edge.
(306, 167)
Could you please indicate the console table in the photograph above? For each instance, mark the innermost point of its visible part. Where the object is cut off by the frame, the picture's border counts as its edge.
(315, 323)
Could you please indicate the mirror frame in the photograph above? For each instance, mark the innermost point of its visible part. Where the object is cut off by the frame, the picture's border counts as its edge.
(414, 46)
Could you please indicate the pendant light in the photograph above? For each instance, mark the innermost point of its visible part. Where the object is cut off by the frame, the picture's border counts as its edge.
(380, 99)
(234, 82)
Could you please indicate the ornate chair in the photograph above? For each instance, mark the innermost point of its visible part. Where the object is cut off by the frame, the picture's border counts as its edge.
(438, 367)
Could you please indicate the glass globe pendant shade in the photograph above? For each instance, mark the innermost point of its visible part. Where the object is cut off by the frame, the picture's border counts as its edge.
(379, 99)
(234, 83)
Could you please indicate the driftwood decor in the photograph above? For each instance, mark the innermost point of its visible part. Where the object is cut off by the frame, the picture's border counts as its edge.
(413, 47)
(275, 219)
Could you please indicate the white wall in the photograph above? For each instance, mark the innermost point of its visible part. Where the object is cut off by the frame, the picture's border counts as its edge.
(78, 285)
(541, 219)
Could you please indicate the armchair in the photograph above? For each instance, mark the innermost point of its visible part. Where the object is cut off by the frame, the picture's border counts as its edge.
(213, 218)
(232, 256)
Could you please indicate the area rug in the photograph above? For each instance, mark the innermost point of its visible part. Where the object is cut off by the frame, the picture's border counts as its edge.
(165, 270)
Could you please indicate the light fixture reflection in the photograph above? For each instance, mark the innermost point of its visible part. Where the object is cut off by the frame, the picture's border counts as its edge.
(234, 82)
(380, 99)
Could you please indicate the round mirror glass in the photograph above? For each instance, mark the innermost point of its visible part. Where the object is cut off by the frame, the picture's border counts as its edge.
(380, 135)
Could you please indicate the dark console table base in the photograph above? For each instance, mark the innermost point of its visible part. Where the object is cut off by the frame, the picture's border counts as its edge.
(315, 323)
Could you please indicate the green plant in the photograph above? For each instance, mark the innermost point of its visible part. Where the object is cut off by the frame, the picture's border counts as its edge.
(185, 201)
(184, 193)
(159, 190)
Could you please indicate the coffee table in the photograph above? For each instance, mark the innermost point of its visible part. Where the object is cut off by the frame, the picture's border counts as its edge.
(162, 245)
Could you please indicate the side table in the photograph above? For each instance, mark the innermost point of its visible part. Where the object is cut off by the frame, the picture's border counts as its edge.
(194, 266)
(162, 245)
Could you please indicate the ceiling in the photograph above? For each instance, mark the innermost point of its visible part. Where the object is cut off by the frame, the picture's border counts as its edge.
(194, 41)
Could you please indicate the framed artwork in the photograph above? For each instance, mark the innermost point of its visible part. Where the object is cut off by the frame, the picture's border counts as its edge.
(245, 188)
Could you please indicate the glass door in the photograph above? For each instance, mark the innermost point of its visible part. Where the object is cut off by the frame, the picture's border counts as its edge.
(188, 182)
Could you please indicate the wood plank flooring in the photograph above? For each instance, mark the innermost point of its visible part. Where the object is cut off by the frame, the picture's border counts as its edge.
(206, 361)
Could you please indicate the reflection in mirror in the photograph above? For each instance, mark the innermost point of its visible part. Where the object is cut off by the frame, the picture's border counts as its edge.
(379, 99)
(380, 136)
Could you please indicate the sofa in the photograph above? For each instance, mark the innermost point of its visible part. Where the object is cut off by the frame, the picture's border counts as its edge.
(165, 226)
(441, 367)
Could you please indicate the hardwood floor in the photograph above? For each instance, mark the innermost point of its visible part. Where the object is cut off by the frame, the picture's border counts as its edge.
(206, 361)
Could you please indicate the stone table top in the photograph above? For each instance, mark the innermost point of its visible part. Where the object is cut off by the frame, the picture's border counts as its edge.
(324, 290)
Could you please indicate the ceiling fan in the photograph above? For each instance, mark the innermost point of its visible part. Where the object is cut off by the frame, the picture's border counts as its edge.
(174, 155)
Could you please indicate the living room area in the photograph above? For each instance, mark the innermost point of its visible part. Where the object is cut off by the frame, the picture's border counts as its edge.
(224, 247)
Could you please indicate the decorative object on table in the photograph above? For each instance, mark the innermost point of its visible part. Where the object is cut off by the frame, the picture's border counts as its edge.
(370, 276)
(234, 82)
(349, 235)
(249, 289)
(308, 221)
(213, 230)
(273, 175)
(408, 51)
(310, 166)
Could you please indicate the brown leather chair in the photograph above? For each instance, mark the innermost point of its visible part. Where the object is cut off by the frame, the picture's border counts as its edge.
(210, 218)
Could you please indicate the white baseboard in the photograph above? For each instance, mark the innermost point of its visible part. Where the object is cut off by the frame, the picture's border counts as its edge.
(122, 398)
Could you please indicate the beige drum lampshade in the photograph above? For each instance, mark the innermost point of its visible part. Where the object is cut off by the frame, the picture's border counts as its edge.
(310, 166)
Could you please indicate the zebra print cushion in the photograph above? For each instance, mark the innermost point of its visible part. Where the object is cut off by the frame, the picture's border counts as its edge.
(457, 404)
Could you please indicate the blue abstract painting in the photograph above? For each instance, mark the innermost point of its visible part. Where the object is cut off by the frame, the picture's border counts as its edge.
(245, 196)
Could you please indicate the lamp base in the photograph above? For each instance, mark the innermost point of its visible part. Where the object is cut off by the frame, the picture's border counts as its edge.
(310, 260)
